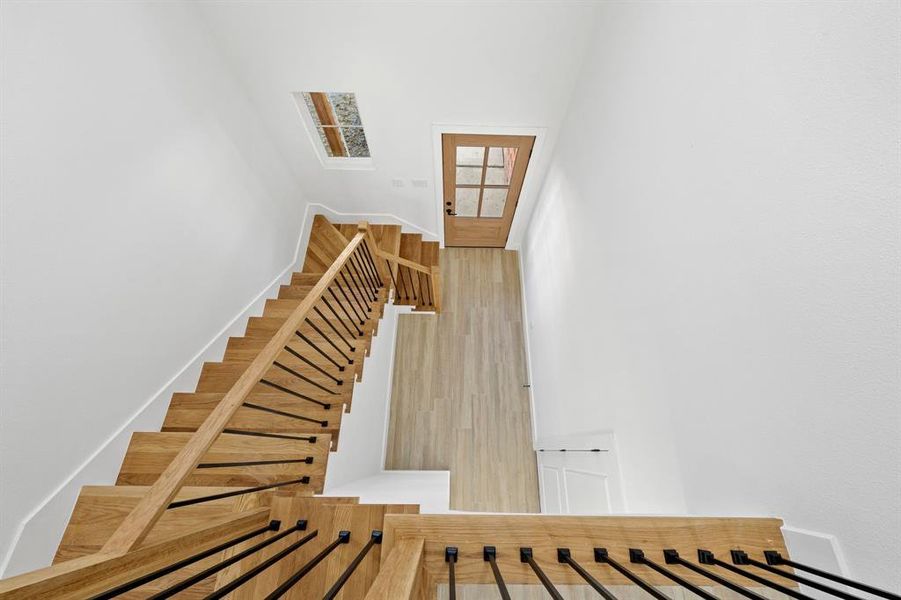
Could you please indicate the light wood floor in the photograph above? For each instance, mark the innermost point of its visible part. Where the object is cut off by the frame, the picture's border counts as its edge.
(458, 401)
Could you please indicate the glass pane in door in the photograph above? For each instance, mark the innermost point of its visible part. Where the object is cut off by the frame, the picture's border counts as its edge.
(493, 202)
(469, 175)
(470, 156)
(500, 166)
(467, 202)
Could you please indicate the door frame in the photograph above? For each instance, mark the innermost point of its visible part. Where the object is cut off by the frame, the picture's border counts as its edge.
(528, 195)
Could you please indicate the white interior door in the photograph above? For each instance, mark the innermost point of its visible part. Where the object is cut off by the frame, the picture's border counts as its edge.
(577, 480)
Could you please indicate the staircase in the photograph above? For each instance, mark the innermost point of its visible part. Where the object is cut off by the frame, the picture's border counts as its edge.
(225, 500)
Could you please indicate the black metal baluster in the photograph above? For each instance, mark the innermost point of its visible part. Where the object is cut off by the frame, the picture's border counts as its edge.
(343, 538)
(564, 556)
(369, 259)
(367, 273)
(424, 290)
(450, 557)
(525, 555)
(283, 413)
(364, 277)
(370, 262)
(637, 556)
(304, 480)
(300, 438)
(391, 275)
(238, 582)
(374, 538)
(706, 557)
(741, 557)
(303, 377)
(256, 463)
(154, 575)
(335, 329)
(602, 556)
(344, 308)
(410, 279)
(400, 276)
(489, 554)
(320, 351)
(306, 360)
(358, 300)
(359, 282)
(185, 584)
(774, 558)
(671, 557)
(291, 392)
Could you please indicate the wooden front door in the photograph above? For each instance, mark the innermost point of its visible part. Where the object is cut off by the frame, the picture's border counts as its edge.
(483, 177)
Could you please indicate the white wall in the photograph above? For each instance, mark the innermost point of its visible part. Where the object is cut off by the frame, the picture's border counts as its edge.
(429, 489)
(712, 271)
(143, 209)
(412, 65)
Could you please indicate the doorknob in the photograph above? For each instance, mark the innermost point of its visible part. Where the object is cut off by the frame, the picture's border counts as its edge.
(450, 212)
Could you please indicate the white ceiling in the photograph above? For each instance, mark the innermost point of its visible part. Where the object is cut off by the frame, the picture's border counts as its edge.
(412, 65)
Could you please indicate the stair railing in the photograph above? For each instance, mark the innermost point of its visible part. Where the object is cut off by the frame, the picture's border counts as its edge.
(354, 283)
(347, 291)
(414, 282)
(746, 555)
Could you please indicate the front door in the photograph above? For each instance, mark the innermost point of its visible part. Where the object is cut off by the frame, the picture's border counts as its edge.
(483, 177)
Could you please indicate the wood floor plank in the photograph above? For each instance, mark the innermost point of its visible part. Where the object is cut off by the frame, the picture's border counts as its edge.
(458, 400)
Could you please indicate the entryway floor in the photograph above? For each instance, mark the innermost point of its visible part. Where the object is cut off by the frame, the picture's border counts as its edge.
(458, 401)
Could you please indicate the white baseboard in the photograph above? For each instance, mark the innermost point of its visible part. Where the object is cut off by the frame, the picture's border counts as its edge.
(375, 219)
(38, 534)
(527, 343)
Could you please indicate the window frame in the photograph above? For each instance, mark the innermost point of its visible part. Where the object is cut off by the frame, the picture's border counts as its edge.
(350, 163)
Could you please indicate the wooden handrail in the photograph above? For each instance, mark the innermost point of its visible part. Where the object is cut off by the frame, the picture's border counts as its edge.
(141, 519)
(87, 575)
(432, 271)
(404, 262)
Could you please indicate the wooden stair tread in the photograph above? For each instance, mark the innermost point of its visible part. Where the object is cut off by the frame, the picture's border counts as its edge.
(297, 365)
(263, 328)
(282, 308)
(149, 453)
(219, 377)
(187, 412)
(325, 244)
(429, 254)
(411, 246)
(246, 348)
(99, 510)
(386, 236)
